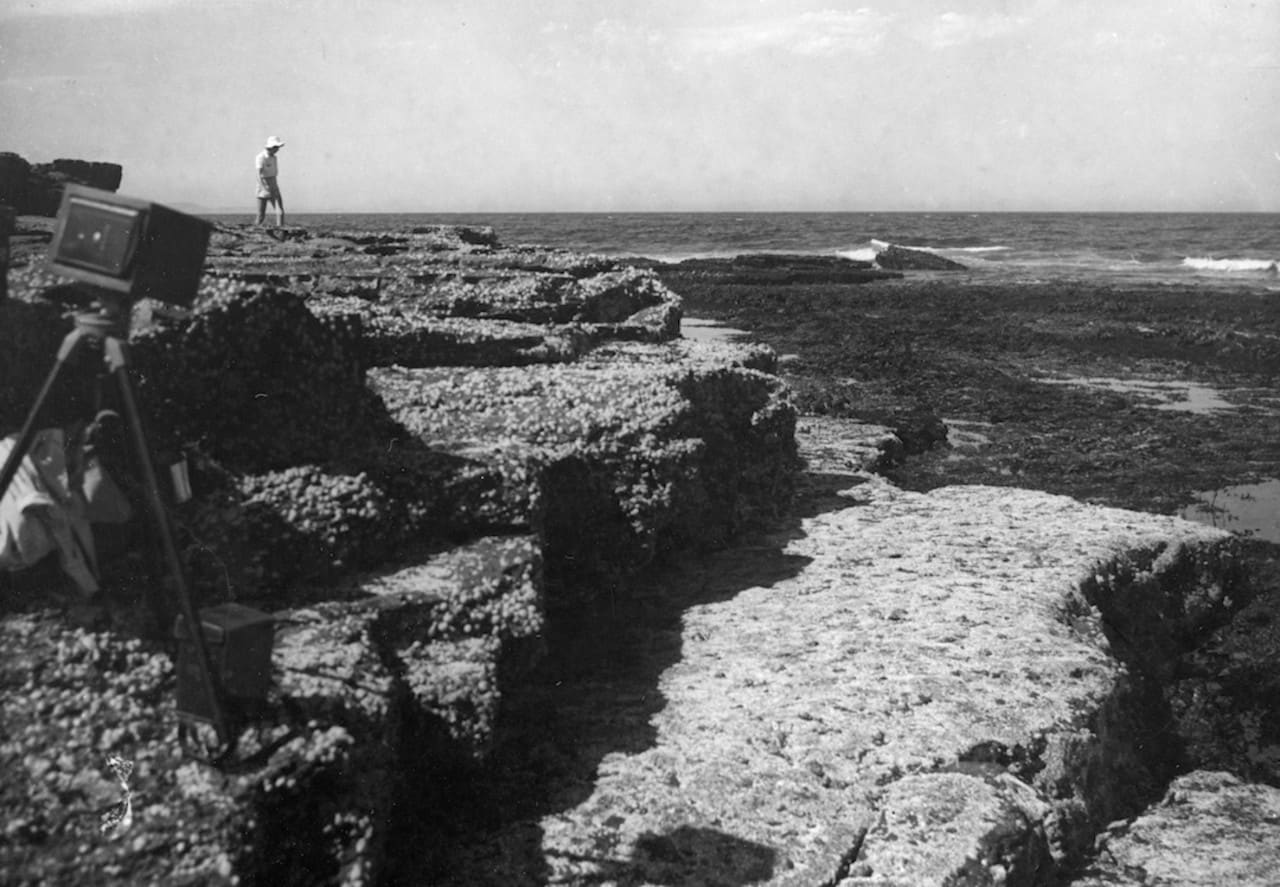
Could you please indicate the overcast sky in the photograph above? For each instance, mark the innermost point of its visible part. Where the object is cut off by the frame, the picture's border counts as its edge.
(616, 105)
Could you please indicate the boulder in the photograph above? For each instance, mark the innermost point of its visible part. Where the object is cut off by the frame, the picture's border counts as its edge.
(36, 190)
(1210, 829)
(95, 174)
(901, 258)
(14, 172)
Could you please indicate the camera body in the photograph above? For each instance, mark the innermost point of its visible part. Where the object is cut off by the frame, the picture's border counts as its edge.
(138, 249)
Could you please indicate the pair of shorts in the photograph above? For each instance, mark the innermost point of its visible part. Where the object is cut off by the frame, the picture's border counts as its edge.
(268, 190)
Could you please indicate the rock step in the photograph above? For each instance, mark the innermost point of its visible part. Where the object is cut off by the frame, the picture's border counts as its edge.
(1209, 829)
(896, 688)
(404, 672)
(490, 586)
(633, 447)
(442, 625)
(409, 664)
(396, 338)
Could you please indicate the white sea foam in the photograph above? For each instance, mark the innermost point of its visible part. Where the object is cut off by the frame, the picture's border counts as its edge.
(1206, 264)
(862, 254)
(880, 245)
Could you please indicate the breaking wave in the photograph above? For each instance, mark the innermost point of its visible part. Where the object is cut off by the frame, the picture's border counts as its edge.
(1230, 265)
(878, 245)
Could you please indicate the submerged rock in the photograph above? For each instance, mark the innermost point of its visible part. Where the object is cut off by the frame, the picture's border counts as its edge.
(775, 268)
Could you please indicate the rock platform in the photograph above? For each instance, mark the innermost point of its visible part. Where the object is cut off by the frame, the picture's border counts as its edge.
(891, 688)
(549, 608)
(419, 452)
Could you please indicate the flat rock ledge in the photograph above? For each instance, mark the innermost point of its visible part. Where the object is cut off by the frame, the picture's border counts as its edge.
(894, 689)
(1209, 829)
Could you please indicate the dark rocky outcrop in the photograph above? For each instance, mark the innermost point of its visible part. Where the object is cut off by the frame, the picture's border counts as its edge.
(14, 172)
(36, 189)
(901, 258)
(775, 268)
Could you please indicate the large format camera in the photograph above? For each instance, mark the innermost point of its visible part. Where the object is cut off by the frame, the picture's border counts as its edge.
(130, 247)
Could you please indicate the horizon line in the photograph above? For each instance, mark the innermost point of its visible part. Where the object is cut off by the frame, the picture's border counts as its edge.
(226, 211)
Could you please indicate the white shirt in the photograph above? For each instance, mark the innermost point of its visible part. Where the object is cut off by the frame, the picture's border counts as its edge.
(266, 163)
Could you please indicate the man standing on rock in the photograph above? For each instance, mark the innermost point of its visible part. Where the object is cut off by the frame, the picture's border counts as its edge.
(268, 190)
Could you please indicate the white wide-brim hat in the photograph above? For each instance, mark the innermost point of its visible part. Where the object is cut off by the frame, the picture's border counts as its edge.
(274, 142)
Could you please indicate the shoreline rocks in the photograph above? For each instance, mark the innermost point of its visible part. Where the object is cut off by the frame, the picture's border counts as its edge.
(36, 189)
(756, 269)
(876, 686)
(417, 513)
(901, 258)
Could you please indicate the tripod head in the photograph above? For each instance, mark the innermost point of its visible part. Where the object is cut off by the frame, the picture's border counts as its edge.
(97, 313)
(106, 317)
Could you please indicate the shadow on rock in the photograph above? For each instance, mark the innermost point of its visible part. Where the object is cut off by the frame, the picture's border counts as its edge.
(596, 696)
(687, 855)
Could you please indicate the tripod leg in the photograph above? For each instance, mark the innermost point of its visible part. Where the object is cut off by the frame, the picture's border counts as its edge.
(25, 437)
(117, 361)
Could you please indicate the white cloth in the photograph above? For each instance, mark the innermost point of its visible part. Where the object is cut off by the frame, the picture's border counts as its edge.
(39, 513)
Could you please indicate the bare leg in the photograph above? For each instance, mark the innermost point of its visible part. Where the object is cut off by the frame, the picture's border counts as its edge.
(279, 201)
(262, 210)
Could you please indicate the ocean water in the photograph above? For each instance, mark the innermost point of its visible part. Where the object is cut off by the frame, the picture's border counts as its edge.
(1220, 249)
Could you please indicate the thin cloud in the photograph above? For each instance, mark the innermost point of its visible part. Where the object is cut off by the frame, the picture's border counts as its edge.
(826, 33)
(72, 8)
(957, 28)
(38, 81)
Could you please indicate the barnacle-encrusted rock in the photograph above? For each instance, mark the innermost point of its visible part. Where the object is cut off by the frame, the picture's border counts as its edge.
(490, 587)
(30, 332)
(455, 236)
(305, 807)
(642, 446)
(532, 425)
(407, 335)
(609, 298)
(457, 682)
(257, 380)
(317, 522)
